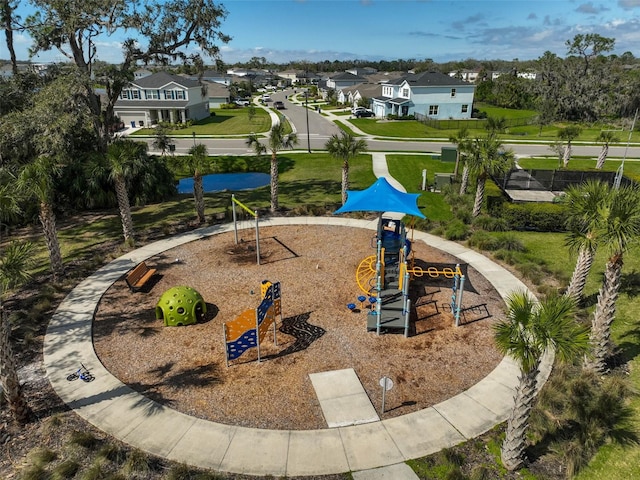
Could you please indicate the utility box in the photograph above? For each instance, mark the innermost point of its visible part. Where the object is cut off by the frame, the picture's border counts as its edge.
(448, 154)
(440, 180)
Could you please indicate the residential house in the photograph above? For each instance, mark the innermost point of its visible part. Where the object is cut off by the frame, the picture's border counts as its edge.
(362, 71)
(353, 95)
(344, 79)
(432, 94)
(296, 77)
(161, 97)
(218, 94)
(466, 75)
(217, 77)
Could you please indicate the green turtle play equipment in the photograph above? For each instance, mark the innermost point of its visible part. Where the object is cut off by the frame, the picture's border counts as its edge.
(180, 306)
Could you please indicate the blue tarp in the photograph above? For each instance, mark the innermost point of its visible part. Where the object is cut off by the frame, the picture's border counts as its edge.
(381, 197)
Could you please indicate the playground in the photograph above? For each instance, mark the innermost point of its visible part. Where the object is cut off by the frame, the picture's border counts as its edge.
(185, 367)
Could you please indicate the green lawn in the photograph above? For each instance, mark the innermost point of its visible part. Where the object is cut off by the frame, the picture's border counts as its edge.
(407, 169)
(225, 122)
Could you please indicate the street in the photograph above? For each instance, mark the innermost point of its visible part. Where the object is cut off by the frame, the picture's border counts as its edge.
(321, 127)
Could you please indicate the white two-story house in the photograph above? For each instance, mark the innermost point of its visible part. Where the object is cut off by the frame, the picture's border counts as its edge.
(432, 94)
(161, 97)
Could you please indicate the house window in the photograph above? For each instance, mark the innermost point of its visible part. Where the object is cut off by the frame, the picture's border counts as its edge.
(453, 92)
(180, 95)
(169, 95)
(405, 92)
(433, 110)
(130, 95)
(465, 108)
(151, 94)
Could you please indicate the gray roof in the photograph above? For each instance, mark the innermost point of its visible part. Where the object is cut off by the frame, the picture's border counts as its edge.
(161, 79)
(348, 76)
(215, 89)
(428, 79)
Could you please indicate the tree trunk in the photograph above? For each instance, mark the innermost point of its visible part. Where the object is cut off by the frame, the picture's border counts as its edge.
(198, 195)
(9, 375)
(580, 274)
(125, 210)
(567, 155)
(48, 222)
(465, 180)
(600, 336)
(515, 440)
(477, 204)
(345, 180)
(7, 14)
(274, 183)
(602, 157)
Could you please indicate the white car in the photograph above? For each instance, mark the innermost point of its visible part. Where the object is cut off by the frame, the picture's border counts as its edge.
(242, 103)
(266, 98)
(355, 110)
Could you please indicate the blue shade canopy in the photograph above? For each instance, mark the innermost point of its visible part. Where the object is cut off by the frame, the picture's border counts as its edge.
(381, 197)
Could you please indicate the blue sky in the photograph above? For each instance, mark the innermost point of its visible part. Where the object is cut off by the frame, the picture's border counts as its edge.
(443, 30)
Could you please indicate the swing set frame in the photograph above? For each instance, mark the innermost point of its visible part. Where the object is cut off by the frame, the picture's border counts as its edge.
(234, 202)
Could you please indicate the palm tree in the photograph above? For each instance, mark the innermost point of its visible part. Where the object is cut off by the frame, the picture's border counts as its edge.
(486, 158)
(496, 124)
(584, 212)
(530, 330)
(568, 134)
(124, 159)
(461, 140)
(620, 230)
(37, 180)
(14, 262)
(277, 141)
(606, 138)
(161, 140)
(196, 163)
(345, 147)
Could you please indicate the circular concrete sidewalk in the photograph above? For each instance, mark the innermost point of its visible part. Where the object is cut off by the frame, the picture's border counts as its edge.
(125, 414)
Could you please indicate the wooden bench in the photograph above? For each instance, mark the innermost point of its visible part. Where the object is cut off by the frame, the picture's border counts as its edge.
(139, 276)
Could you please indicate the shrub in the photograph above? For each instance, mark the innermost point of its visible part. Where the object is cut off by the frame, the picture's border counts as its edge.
(66, 469)
(509, 241)
(83, 439)
(507, 256)
(490, 224)
(483, 240)
(541, 217)
(456, 230)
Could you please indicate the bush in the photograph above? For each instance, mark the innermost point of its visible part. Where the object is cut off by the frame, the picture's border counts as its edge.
(456, 230)
(490, 224)
(541, 217)
(483, 241)
(510, 242)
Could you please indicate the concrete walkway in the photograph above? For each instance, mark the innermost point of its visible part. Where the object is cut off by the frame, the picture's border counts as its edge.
(123, 413)
(342, 398)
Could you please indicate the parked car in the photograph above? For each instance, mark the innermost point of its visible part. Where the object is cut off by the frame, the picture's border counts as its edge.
(279, 105)
(364, 113)
(242, 102)
(355, 110)
(266, 98)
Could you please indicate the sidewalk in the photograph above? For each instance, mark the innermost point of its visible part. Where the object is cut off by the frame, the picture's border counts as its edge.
(125, 414)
